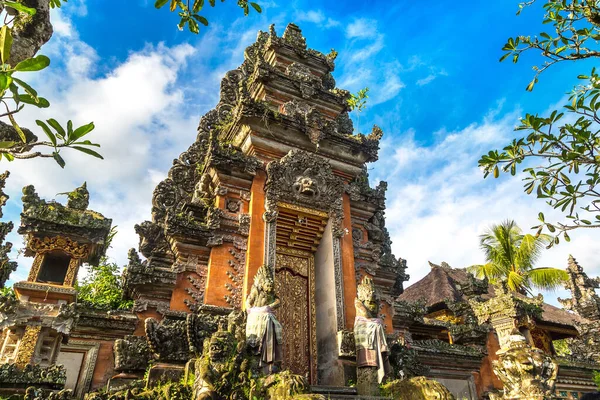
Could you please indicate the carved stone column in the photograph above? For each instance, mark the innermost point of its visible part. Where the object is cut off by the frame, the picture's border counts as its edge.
(27, 346)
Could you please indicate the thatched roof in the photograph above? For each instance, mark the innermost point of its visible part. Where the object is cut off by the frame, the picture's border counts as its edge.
(445, 283)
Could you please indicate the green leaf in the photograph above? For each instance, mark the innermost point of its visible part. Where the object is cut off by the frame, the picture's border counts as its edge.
(59, 160)
(256, 7)
(201, 19)
(504, 57)
(17, 128)
(28, 89)
(567, 238)
(5, 81)
(15, 92)
(59, 129)
(81, 131)
(69, 128)
(47, 131)
(88, 151)
(41, 102)
(9, 156)
(7, 144)
(33, 64)
(20, 7)
(160, 3)
(5, 43)
(198, 4)
(87, 143)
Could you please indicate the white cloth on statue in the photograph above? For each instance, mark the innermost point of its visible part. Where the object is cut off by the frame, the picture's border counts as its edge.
(369, 336)
(262, 324)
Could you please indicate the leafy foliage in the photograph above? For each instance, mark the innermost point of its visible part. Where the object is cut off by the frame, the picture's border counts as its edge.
(189, 11)
(561, 151)
(510, 257)
(15, 94)
(102, 288)
(358, 102)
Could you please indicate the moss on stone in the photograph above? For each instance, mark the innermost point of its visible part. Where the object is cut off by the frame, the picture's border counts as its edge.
(417, 388)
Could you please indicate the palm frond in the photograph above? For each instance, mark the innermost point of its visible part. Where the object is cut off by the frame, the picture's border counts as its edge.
(547, 278)
(530, 250)
(491, 271)
(516, 282)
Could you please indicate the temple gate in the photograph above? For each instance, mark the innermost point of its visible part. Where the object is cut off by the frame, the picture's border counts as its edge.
(276, 177)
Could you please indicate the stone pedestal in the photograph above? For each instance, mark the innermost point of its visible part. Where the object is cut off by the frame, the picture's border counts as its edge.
(121, 381)
(162, 373)
(367, 381)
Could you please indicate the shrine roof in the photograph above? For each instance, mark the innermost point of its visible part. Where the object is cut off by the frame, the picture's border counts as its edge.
(43, 218)
(444, 284)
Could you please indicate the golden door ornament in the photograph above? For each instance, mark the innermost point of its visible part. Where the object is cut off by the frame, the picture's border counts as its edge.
(295, 287)
(65, 244)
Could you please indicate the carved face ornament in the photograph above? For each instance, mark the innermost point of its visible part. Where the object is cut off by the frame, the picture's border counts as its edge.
(306, 186)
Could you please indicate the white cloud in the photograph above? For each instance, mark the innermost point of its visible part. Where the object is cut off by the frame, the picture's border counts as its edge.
(431, 77)
(362, 28)
(138, 111)
(316, 17)
(439, 203)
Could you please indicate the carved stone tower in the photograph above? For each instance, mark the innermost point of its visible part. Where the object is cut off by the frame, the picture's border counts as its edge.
(60, 238)
(276, 177)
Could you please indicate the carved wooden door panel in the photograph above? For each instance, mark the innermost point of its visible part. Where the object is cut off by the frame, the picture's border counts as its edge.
(292, 285)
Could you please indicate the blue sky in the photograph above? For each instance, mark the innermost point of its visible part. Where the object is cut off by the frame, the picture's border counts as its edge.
(436, 89)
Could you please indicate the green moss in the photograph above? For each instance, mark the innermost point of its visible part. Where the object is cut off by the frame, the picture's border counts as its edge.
(418, 388)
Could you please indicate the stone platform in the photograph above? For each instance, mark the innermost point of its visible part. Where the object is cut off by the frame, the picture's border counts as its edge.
(342, 392)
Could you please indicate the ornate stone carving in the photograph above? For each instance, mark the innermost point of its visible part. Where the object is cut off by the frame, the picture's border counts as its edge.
(236, 276)
(6, 266)
(131, 353)
(417, 388)
(244, 224)
(233, 205)
(79, 199)
(168, 339)
(584, 299)
(221, 370)
(65, 244)
(199, 327)
(27, 346)
(53, 377)
(199, 286)
(306, 179)
(405, 362)
(78, 224)
(346, 345)
(526, 373)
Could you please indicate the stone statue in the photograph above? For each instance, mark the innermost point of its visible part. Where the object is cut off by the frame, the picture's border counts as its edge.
(263, 331)
(372, 351)
(213, 369)
(222, 371)
(526, 372)
(202, 191)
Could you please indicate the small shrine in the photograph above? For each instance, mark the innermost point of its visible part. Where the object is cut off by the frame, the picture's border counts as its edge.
(41, 317)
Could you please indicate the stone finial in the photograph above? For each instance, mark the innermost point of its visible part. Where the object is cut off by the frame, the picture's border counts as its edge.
(79, 199)
(584, 299)
(293, 36)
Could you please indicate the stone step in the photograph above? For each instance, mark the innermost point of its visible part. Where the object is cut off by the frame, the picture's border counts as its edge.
(342, 393)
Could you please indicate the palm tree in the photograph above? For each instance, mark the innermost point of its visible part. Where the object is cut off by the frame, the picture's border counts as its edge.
(510, 257)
